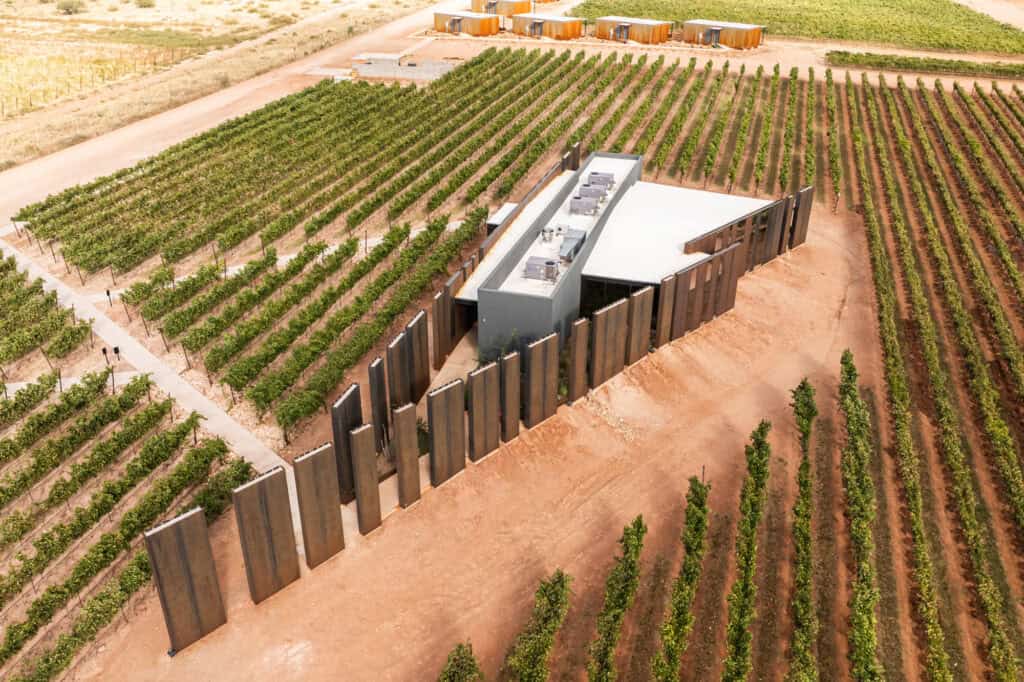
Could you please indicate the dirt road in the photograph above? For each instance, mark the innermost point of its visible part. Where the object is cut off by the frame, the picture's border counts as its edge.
(102, 155)
(463, 562)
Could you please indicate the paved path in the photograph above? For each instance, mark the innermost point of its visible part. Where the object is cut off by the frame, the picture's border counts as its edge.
(217, 421)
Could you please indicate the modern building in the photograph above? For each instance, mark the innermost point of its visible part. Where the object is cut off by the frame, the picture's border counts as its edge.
(473, 23)
(723, 33)
(547, 26)
(595, 233)
(623, 29)
(503, 8)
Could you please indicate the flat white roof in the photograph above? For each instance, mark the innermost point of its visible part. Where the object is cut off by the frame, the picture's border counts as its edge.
(721, 24)
(511, 235)
(634, 20)
(516, 280)
(644, 237)
(465, 14)
(553, 18)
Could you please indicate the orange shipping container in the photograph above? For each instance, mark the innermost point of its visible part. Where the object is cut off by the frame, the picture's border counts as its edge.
(473, 23)
(727, 33)
(503, 8)
(547, 26)
(647, 31)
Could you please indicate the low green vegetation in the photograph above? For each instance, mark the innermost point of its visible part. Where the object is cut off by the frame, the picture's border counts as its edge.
(895, 62)
(931, 24)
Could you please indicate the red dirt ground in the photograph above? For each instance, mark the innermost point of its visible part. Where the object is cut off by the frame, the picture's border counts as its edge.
(464, 562)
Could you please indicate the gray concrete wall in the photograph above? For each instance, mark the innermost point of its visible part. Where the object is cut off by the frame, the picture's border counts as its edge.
(638, 324)
(540, 380)
(666, 301)
(399, 380)
(186, 578)
(316, 482)
(446, 418)
(579, 346)
(379, 403)
(484, 411)
(510, 395)
(505, 315)
(346, 414)
(416, 333)
(405, 448)
(364, 465)
(264, 518)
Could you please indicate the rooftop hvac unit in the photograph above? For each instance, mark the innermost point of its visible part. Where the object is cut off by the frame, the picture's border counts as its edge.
(547, 233)
(541, 269)
(583, 205)
(602, 178)
(571, 245)
(598, 192)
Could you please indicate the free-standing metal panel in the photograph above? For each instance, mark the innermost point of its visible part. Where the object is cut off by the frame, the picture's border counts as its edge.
(316, 482)
(579, 344)
(186, 578)
(696, 306)
(714, 267)
(405, 446)
(399, 381)
(776, 229)
(540, 397)
(264, 518)
(788, 225)
(510, 399)
(364, 466)
(446, 416)
(666, 301)
(608, 345)
(726, 292)
(418, 352)
(484, 411)
(641, 306)
(379, 403)
(681, 302)
(440, 309)
(804, 201)
(346, 414)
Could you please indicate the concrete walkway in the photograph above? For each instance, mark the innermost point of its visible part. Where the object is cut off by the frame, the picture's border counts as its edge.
(241, 441)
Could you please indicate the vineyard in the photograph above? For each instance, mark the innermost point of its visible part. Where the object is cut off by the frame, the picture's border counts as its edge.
(269, 257)
(84, 472)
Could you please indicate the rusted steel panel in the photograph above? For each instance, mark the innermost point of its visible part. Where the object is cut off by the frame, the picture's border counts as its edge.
(666, 301)
(804, 201)
(186, 578)
(446, 415)
(346, 414)
(379, 403)
(540, 396)
(264, 518)
(641, 305)
(399, 380)
(364, 464)
(316, 481)
(510, 396)
(484, 411)
(418, 355)
(696, 307)
(579, 344)
(681, 303)
(405, 446)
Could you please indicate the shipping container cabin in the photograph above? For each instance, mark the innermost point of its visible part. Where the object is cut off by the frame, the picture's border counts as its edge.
(725, 33)
(547, 26)
(503, 8)
(623, 29)
(473, 23)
